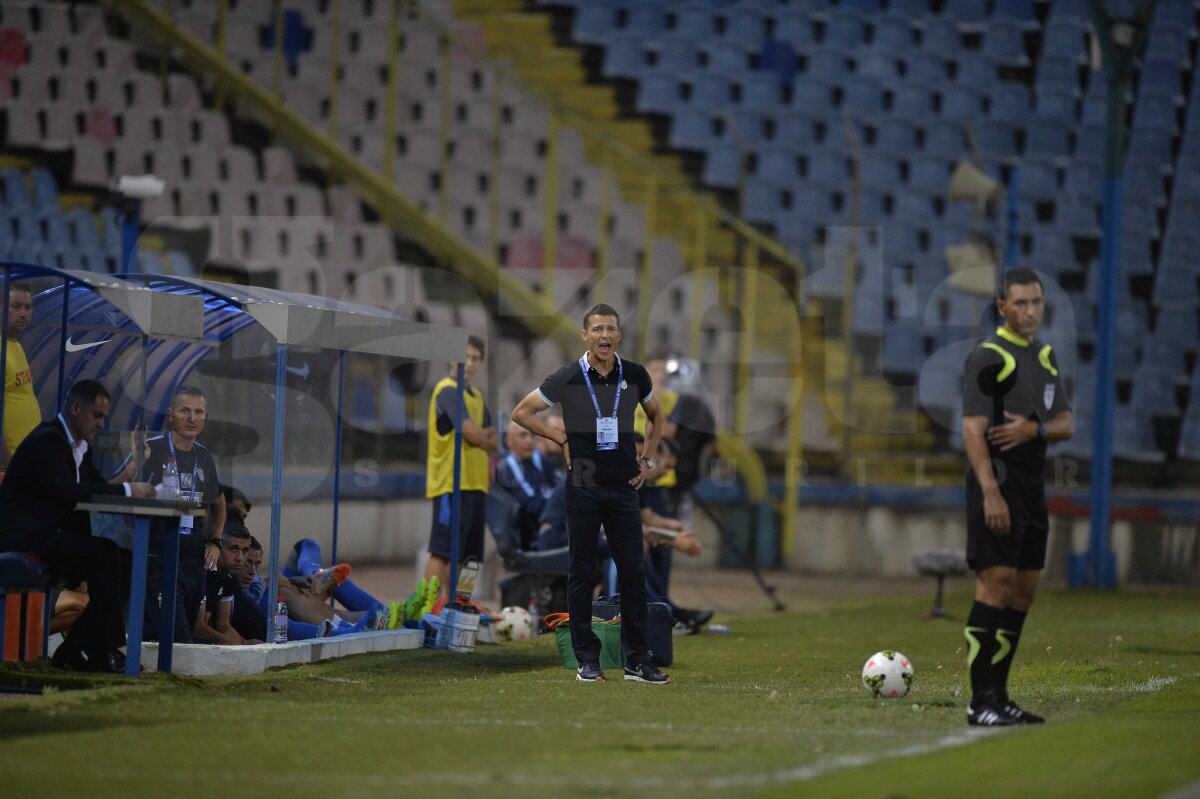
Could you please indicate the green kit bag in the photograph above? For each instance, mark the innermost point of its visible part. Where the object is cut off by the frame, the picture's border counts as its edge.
(609, 633)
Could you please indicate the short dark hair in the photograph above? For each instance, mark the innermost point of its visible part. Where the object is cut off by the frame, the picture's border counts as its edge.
(1021, 276)
(234, 529)
(20, 285)
(232, 494)
(477, 342)
(600, 309)
(187, 391)
(254, 544)
(657, 354)
(85, 392)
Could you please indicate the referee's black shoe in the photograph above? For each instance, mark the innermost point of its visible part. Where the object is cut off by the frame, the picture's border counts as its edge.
(1021, 715)
(589, 671)
(986, 715)
(646, 672)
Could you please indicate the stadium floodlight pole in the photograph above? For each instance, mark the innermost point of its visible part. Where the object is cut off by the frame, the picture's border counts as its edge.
(456, 498)
(1119, 40)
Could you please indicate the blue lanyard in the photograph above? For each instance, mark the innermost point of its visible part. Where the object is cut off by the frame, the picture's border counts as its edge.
(514, 466)
(583, 364)
(195, 464)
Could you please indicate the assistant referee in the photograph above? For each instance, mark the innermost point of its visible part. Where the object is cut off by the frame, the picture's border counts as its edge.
(599, 393)
(1013, 404)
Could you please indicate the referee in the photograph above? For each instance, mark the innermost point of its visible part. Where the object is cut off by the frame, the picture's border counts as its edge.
(599, 393)
(1013, 405)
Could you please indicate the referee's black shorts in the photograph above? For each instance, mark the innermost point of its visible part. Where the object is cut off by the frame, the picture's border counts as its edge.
(1025, 545)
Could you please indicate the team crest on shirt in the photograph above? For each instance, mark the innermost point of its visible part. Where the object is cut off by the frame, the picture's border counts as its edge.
(1048, 395)
(624, 385)
(200, 470)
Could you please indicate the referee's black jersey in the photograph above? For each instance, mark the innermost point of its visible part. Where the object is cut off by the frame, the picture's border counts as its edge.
(567, 387)
(1007, 373)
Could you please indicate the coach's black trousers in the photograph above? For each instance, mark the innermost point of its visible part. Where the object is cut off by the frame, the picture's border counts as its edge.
(613, 506)
(100, 629)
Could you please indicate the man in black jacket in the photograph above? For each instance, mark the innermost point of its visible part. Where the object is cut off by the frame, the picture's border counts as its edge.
(50, 473)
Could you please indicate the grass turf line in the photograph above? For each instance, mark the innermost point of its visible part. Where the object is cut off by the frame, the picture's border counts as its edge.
(775, 706)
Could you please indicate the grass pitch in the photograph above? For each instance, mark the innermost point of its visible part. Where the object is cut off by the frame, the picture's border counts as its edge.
(775, 708)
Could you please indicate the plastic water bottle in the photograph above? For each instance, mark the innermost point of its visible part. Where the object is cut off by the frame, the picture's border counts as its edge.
(170, 480)
(281, 621)
(534, 617)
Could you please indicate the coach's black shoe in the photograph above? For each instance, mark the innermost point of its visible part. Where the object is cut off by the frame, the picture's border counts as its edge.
(589, 671)
(1021, 715)
(69, 659)
(646, 672)
(989, 716)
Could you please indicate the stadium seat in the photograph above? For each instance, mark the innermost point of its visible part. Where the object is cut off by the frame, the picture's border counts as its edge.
(1154, 392)
(892, 33)
(1189, 436)
(844, 30)
(903, 349)
(1004, 42)
(1133, 437)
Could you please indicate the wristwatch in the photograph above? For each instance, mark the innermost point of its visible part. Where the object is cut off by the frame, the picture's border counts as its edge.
(1041, 434)
(214, 541)
(649, 463)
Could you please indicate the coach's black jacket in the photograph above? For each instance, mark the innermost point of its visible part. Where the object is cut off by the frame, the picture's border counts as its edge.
(40, 492)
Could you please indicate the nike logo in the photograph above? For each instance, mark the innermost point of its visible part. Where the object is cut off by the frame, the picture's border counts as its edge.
(71, 346)
(299, 371)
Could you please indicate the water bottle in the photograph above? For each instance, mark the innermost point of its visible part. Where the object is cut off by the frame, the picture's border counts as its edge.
(170, 480)
(281, 621)
(534, 618)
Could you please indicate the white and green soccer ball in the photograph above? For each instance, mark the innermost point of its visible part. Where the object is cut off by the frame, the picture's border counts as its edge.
(514, 624)
(887, 674)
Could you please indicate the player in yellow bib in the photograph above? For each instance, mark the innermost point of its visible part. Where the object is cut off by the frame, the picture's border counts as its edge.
(479, 439)
(21, 410)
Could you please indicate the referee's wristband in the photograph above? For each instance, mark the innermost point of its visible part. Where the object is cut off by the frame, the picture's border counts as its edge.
(1041, 433)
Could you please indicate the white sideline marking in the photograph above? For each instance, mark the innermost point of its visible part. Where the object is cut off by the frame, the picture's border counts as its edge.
(1189, 791)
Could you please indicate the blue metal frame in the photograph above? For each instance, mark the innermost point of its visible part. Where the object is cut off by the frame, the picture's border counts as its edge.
(337, 456)
(456, 498)
(276, 486)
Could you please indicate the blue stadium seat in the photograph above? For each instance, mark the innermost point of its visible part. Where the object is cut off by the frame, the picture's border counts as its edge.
(743, 25)
(45, 190)
(594, 22)
(966, 11)
(829, 169)
(869, 306)
(1038, 179)
(795, 28)
(149, 263)
(777, 165)
(996, 139)
(827, 65)
(1177, 283)
(1051, 251)
(811, 96)
(1189, 435)
(1152, 145)
(692, 20)
(657, 93)
(892, 33)
(57, 233)
(1057, 104)
(762, 90)
(94, 261)
(878, 65)
(1084, 178)
(880, 172)
(1046, 138)
(1177, 16)
(945, 138)
(865, 7)
(862, 98)
(1162, 75)
(929, 174)
(1003, 42)
(110, 221)
(844, 30)
(1057, 73)
(941, 36)
(625, 57)
(675, 54)
(924, 68)
(1144, 179)
(1008, 101)
(912, 102)
(693, 130)
(83, 229)
(960, 103)
(914, 9)
(974, 70)
(1170, 44)
(15, 191)
(1133, 438)
(643, 19)
(1066, 37)
(1140, 213)
(63, 257)
(763, 201)
(903, 349)
(1021, 11)
(1155, 110)
(797, 129)
(709, 90)
(718, 56)
(722, 166)
(895, 136)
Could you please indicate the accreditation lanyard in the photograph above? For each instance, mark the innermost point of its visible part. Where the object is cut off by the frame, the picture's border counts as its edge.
(514, 466)
(606, 426)
(186, 523)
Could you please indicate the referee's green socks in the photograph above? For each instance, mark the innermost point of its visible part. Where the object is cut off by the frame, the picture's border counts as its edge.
(982, 647)
(1007, 635)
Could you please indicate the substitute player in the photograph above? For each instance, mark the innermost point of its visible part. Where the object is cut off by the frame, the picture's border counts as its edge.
(598, 393)
(1013, 405)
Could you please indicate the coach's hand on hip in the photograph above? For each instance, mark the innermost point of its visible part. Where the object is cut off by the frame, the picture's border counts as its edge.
(643, 470)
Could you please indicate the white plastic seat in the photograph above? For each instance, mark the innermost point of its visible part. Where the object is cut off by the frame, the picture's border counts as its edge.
(89, 167)
(184, 94)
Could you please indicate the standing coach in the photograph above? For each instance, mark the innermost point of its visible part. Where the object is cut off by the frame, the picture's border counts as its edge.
(599, 394)
(1013, 404)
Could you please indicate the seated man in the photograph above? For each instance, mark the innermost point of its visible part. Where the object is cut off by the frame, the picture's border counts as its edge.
(236, 502)
(214, 624)
(519, 474)
(248, 617)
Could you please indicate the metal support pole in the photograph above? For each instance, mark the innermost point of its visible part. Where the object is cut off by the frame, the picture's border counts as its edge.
(456, 498)
(337, 452)
(276, 489)
(129, 235)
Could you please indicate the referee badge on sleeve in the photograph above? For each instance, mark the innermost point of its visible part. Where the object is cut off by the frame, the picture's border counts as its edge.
(1048, 395)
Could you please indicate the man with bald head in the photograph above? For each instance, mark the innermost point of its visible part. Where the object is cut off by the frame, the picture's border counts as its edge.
(520, 476)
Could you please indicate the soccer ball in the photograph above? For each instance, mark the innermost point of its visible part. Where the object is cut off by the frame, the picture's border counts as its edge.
(514, 624)
(887, 674)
